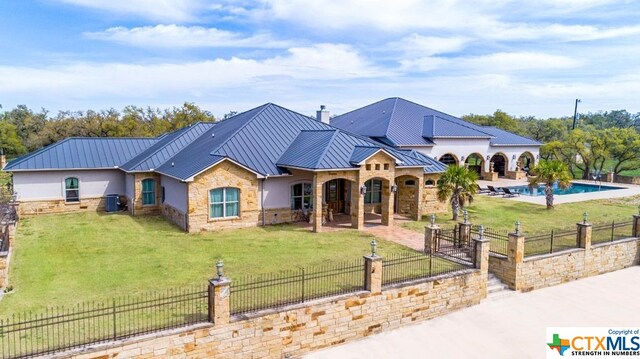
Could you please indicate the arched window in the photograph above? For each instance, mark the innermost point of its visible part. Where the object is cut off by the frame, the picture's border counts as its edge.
(374, 191)
(224, 202)
(301, 196)
(71, 190)
(148, 192)
(448, 159)
(429, 182)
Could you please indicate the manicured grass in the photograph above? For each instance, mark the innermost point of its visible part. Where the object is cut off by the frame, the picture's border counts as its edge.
(72, 258)
(501, 214)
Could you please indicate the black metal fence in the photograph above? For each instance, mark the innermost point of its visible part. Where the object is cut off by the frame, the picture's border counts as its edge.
(555, 241)
(58, 329)
(499, 239)
(609, 232)
(411, 266)
(260, 292)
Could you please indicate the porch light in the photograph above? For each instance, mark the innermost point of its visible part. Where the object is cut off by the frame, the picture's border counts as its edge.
(374, 246)
(465, 215)
(537, 157)
(585, 216)
(488, 157)
(481, 232)
(433, 219)
(462, 158)
(363, 190)
(219, 267)
(517, 227)
(513, 157)
(394, 188)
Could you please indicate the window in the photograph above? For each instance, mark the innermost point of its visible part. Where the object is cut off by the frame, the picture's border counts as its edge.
(301, 196)
(409, 183)
(377, 167)
(148, 192)
(386, 166)
(368, 167)
(374, 191)
(429, 182)
(224, 202)
(71, 190)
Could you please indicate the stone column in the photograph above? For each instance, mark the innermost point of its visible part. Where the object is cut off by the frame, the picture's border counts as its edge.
(419, 195)
(583, 239)
(515, 258)
(482, 262)
(317, 204)
(219, 291)
(357, 206)
(636, 225)
(386, 207)
(431, 243)
(373, 273)
(465, 233)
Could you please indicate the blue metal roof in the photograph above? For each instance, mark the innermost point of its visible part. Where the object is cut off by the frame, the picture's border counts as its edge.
(398, 122)
(82, 153)
(166, 147)
(361, 153)
(506, 138)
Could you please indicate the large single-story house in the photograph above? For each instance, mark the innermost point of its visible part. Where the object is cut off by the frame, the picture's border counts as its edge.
(403, 124)
(266, 165)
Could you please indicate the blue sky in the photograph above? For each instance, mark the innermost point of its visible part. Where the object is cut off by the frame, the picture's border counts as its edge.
(524, 57)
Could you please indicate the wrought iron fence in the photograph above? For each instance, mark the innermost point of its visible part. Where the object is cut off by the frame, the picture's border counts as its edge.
(404, 267)
(58, 329)
(253, 293)
(609, 232)
(555, 241)
(499, 239)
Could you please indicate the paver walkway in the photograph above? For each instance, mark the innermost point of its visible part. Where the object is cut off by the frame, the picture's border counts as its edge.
(397, 234)
(511, 327)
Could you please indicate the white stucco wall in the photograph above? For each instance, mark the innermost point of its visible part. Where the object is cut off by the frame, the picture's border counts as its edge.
(277, 190)
(49, 185)
(175, 193)
(129, 185)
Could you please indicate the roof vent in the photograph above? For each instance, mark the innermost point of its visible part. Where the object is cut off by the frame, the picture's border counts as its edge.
(213, 134)
(173, 164)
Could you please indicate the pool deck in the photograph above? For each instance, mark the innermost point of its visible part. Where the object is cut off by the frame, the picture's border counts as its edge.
(627, 190)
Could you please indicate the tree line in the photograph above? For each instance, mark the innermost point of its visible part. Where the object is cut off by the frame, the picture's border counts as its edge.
(600, 143)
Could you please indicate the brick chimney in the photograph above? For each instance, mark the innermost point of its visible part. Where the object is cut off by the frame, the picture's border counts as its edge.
(322, 115)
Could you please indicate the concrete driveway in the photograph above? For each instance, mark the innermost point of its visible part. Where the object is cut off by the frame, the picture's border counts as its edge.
(509, 327)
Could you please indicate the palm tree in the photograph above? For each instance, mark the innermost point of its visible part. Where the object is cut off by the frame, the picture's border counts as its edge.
(550, 173)
(458, 185)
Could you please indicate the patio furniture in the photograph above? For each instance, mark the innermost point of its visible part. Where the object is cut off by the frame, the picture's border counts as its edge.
(493, 191)
(482, 190)
(509, 194)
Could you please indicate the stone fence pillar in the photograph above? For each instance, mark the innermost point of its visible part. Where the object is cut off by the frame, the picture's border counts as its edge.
(636, 226)
(515, 257)
(431, 243)
(481, 260)
(583, 239)
(373, 273)
(219, 291)
(464, 229)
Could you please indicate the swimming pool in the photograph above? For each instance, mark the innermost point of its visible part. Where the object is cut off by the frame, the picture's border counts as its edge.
(575, 188)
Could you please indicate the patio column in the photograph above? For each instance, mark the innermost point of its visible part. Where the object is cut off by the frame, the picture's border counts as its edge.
(386, 208)
(317, 203)
(357, 206)
(418, 200)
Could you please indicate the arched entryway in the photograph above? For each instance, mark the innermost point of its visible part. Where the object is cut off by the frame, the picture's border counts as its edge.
(475, 162)
(376, 193)
(526, 161)
(449, 159)
(500, 163)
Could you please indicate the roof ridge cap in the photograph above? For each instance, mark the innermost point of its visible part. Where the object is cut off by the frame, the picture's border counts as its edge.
(324, 152)
(26, 156)
(391, 116)
(264, 107)
(464, 125)
(183, 131)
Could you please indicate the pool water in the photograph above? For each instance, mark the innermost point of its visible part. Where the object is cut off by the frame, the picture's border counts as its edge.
(575, 188)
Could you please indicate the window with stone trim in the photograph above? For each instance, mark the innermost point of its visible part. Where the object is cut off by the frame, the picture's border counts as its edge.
(301, 196)
(429, 182)
(71, 190)
(224, 202)
(374, 191)
(410, 183)
(148, 192)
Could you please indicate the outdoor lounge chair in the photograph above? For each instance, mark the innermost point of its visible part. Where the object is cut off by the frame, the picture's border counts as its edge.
(493, 191)
(509, 194)
(482, 190)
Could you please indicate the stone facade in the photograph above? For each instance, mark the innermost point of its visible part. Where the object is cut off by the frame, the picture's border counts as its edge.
(60, 206)
(175, 216)
(297, 330)
(137, 207)
(224, 174)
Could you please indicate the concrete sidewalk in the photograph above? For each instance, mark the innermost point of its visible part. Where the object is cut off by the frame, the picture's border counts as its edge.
(510, 327)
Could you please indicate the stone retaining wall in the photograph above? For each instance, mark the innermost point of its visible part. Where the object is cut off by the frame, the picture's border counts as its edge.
(299, 329)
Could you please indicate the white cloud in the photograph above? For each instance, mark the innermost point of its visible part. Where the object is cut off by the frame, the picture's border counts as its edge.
(163, 10)
(515, 61)
(176, 36)
(418, 45)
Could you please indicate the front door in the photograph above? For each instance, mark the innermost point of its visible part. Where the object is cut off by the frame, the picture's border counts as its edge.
(334, 195)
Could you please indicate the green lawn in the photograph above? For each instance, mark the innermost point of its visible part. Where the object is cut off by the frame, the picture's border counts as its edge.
(501, 214)
(71, 258)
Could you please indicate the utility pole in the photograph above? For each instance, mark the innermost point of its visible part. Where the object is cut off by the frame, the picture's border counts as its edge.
(575, 114)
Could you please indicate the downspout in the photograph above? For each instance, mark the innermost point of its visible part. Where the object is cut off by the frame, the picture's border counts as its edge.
(264, 219)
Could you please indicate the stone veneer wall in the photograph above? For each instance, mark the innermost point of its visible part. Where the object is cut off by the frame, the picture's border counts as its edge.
(299, 329)
(551, 269)
(175, 216)
(5, 257)
(224, 174)
(502, 268)
(59, 206)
